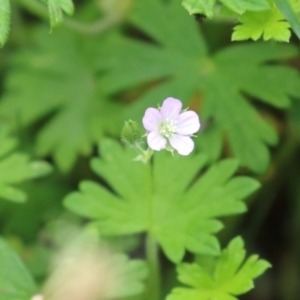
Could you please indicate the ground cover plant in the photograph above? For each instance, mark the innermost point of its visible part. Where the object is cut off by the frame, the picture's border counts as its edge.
(149, 149)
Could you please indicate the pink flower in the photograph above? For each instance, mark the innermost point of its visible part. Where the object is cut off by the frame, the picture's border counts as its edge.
(169, 129)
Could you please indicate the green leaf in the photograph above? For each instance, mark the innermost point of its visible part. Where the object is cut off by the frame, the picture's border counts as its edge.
(56, 9)
(152, 200)
(287, 10)
(210, 142)
(60, 82)
(15, 281)
(66, 5)
(15, 168)
(270, 24)
(183, 68)
(232, 276)
(4, 20)
(205, 7)
(240, 6)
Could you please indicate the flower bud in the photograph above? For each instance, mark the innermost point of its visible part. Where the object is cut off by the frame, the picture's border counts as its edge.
(130, 133)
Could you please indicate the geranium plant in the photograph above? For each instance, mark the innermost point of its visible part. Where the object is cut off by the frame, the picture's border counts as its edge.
(148, 148)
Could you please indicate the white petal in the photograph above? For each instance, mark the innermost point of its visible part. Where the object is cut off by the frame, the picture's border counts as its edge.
(183, 144)
(156, 141)
(171, 108)
(188, 123)
(152, 119)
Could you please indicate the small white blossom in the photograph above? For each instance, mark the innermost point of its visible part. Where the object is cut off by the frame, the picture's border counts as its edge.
(168, 127)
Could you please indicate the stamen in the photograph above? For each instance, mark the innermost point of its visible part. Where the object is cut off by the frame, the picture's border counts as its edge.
(168, 127)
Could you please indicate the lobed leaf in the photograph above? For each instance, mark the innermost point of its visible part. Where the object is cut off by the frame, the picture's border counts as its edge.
(259, 18)
(183, 68)
(268, 24)
(152, 199)
(289, 13)
(67, 87)
(232, 276)
(206, 7)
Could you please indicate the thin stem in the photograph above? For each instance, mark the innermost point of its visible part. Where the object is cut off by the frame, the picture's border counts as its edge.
(153, 290)
(36, 8)
(95, 28)
(100, 26)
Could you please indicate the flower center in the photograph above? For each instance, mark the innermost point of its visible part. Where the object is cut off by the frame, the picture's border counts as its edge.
(168, 127)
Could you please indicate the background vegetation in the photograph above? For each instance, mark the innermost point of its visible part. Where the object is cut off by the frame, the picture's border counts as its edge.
(67, 85)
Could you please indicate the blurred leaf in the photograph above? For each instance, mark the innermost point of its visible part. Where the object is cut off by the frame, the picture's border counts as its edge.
(131, 275)
(210, 141)
(182, 68)
(61, 81)
(4, 20)
(110, 275)
(153, 200)
(232, 276)
(15, 168)
(15, 281)
(44, 205)
(38, 260)
(294, 114)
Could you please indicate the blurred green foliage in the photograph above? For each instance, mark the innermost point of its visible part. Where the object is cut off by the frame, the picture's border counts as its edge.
(64, 93)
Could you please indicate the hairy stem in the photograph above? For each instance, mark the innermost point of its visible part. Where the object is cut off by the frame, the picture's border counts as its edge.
(97, 27)
(153, 289)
